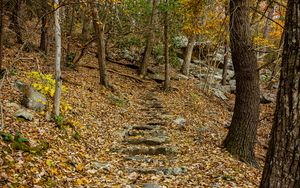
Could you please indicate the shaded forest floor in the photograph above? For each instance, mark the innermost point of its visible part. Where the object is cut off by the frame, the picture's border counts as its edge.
(99, 114)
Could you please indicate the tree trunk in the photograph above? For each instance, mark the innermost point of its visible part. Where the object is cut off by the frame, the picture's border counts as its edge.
(241, 138)
(14, 18)
(70, 27)
(166, 48)
(1, 33)
(225, 67)
(149, 43)
(185, 69)
(44, 36)
(85, 24)
(268, 21)
(58, 84)
(99, 32)
(282, 168)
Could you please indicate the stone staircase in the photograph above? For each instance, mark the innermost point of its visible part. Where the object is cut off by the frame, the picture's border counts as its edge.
(146, 146)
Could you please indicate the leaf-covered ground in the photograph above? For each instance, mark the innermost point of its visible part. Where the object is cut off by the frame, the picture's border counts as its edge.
(98, 116)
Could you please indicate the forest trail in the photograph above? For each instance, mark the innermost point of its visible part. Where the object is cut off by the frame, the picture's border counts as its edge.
(147, 146)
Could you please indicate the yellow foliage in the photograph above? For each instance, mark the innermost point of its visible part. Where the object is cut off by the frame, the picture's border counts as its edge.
(45, 83)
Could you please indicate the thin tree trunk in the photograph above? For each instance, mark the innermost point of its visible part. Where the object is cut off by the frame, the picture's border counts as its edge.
(99, 32)
(85, 25)
(282, 168)
(1, 34)
(185, 69)
(15, 21)
(44, 36)
(268, 22)
(149, 43)
(58, 84)
(225, 67)
(167, 83)
(69, 36)
(241, 138)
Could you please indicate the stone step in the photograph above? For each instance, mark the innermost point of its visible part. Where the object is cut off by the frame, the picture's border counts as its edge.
(146, 127)
(164, 170)
(151, 133)
(156, 122)
(157, 150)
(151, 141)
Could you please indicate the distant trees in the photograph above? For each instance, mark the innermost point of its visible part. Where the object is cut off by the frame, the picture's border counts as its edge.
(282, 167)
(241, 137)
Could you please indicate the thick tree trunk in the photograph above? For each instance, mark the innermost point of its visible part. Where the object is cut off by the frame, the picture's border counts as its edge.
(282, 168)
(1, 33)
(185, 68)
(241, 137)
(58, 84)
(99, 32)
(149, 43)
(167, 83)
(14, 18)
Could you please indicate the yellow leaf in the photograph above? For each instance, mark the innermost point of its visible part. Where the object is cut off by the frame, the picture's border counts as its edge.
(49, 163)
(80, 167)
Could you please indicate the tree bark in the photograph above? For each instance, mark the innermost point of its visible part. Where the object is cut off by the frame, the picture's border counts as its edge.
(241, 138)
(14, 18)
(166, 48)
(225, 67)
(282, 168)
(1, 34)
(99, 32)
(268, 21)
(185, 69)
(85, 24)
(58, 84)
(149, 42)
(44, 30)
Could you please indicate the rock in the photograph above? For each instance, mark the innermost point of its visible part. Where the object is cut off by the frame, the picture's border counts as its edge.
(32, 99)
(133, 176)
(267, 98)
(180, 77)
(148, 141)
(180, 121)
(22, 113)
(174, 171)
(160, 150)
(220, 94)
(13, 105)
(159, 78)
(99, 166)
(151, 185)
(232, 84)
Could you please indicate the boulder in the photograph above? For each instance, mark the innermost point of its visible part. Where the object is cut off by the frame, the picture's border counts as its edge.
(33, 99)
(25, 114)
